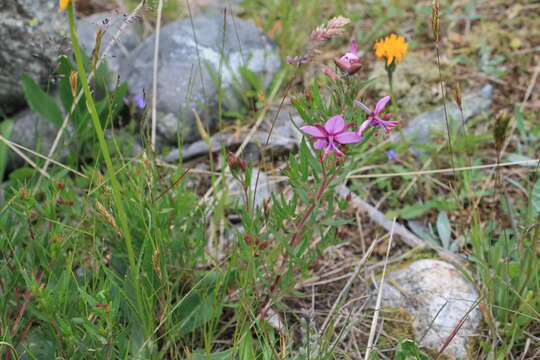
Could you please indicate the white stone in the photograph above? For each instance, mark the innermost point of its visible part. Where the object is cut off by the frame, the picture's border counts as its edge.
(437, 296)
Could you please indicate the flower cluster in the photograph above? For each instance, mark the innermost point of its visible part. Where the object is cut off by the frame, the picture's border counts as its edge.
(332, 135)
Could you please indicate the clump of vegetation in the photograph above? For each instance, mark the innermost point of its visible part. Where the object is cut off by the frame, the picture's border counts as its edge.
(108, 257)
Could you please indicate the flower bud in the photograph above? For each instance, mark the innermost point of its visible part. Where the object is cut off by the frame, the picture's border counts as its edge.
(233, 160)
(242, 163)
(329, 72)
(350, 68)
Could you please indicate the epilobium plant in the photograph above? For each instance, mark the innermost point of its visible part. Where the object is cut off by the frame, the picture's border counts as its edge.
(281, 241)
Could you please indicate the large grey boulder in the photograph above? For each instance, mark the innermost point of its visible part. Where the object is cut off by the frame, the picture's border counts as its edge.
(199, 58)
(31, 39)
(436, 296)
(111, 22)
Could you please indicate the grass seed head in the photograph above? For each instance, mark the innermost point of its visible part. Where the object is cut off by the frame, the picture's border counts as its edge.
(435, 19)
(499, 131)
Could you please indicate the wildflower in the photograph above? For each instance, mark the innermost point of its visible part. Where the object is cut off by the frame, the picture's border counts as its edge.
(392, 48)
(331, 135)
(375, 118)
(351, 56)
(350, 62)
(139, 101)
(235, 162)
(64, 4)
(392, 155)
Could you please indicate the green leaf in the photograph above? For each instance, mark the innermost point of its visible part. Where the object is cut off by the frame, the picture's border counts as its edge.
(422, 232)
(415, 210)
(447, 205)
(251, 78)
(222, 355)
(520, 124)
(64, 86)
(444, 229)
(20, 175)
(408, 350)
(40, 102)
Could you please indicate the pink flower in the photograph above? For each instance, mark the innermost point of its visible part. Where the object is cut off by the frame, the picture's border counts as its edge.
(350, 62)
(331, 135)
(351, 56)
(374, 118)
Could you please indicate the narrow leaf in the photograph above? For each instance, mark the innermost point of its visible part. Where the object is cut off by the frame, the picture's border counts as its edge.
(444, 229)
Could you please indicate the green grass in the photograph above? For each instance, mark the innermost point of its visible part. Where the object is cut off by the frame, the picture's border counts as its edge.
(127, 262)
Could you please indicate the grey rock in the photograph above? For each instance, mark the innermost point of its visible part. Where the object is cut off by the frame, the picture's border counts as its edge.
(31, 41)
(128, 40)
(419, 129)
(192, 54)
(437, 296)
(35, 133)
(284, 137)
(261, 191)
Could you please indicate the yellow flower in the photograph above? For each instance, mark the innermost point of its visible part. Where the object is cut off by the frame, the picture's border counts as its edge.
(64, 4)
(391, 48)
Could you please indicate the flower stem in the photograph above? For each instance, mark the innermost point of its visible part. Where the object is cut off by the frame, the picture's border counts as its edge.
(91, 106)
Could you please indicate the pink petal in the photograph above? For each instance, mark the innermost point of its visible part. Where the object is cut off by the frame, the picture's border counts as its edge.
(327, 150)
(319, 144)
(335, 124)
(354, 47)
(313, 131)
(381, 104)
(363, 127)
(348, 138)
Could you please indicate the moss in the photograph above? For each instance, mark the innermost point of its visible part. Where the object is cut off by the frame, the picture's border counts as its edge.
(398, 325)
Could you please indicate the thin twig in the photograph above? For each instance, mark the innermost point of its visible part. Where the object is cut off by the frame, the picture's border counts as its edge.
(25, 158)
(6, 141)
(447, 170)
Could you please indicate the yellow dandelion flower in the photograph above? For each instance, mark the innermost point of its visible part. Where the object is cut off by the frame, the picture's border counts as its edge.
(391, 48)
(64, 4)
